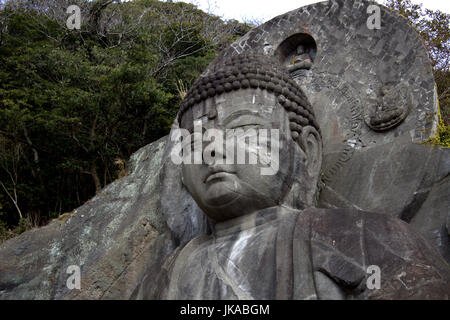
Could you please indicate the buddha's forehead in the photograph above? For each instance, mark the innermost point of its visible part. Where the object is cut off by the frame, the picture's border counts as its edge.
(257, 103)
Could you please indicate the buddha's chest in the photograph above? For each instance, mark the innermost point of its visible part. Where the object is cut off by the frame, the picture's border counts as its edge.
(240, 265)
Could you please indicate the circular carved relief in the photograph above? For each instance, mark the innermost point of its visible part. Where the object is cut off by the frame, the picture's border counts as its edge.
(390, 108)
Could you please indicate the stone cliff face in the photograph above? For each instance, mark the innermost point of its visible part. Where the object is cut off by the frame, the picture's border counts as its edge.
(373, 159)
(406, 180)
(115, 237)
(121, 234)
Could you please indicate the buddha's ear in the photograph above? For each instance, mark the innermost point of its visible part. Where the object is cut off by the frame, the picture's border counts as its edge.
(311, 143)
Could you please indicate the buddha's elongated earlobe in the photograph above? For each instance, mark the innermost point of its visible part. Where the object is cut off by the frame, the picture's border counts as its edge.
(312, 143)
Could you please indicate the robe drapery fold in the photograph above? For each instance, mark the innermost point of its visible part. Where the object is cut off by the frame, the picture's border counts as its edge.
(280, 253)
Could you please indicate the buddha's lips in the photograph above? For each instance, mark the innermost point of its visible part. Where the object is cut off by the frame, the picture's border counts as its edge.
(217, 175)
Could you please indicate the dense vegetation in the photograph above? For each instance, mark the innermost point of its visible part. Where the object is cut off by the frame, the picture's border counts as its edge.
(75, 104)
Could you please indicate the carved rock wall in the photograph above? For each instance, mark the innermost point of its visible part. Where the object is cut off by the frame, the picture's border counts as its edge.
(115, 238)
(127, 230)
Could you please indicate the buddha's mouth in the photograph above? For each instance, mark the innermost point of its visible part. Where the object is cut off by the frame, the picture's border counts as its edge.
(218, 176)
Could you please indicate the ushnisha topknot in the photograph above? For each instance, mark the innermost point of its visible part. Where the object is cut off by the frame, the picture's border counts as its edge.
(251, 70)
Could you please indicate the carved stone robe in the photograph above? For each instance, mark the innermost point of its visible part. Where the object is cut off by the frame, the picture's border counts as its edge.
(280, 253)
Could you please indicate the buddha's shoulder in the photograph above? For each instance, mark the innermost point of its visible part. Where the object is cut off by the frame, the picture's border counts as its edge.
(372, 236)
(352, 220)
(368, 238)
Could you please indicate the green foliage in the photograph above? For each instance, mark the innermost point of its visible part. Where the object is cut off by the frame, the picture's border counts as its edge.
(434, 29)
(74, 103)
(4, 232)
(442, 136)
(24, 225)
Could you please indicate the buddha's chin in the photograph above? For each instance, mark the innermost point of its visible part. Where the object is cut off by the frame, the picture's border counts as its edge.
(221, 193)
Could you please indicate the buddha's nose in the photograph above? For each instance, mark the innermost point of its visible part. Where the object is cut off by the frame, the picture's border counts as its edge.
(215, 151)
(215, 156)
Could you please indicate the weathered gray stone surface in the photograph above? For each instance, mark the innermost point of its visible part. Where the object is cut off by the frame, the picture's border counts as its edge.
(318, 254)
(433, 216)
(354, 71)
(267, 239)
(127, 231)
(182, 214)
(116, 237)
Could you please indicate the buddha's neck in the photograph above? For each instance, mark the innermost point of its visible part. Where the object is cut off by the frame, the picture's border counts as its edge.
(248, 221)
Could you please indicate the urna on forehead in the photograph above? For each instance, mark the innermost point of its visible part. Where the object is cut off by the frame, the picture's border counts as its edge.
(256, 71)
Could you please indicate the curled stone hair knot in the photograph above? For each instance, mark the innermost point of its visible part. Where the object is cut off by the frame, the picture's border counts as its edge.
(251, 70)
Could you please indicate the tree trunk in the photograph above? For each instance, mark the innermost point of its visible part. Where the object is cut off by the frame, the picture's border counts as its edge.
(94, 174)
(13, 199)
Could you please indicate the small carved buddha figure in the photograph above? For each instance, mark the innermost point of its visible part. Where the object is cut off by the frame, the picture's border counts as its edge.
(300, 60)
(268, 239)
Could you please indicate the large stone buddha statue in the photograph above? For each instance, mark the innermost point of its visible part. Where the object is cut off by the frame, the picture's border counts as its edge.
(268, 239)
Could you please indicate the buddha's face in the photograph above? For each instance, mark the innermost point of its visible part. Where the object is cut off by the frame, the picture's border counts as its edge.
(225, 191)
